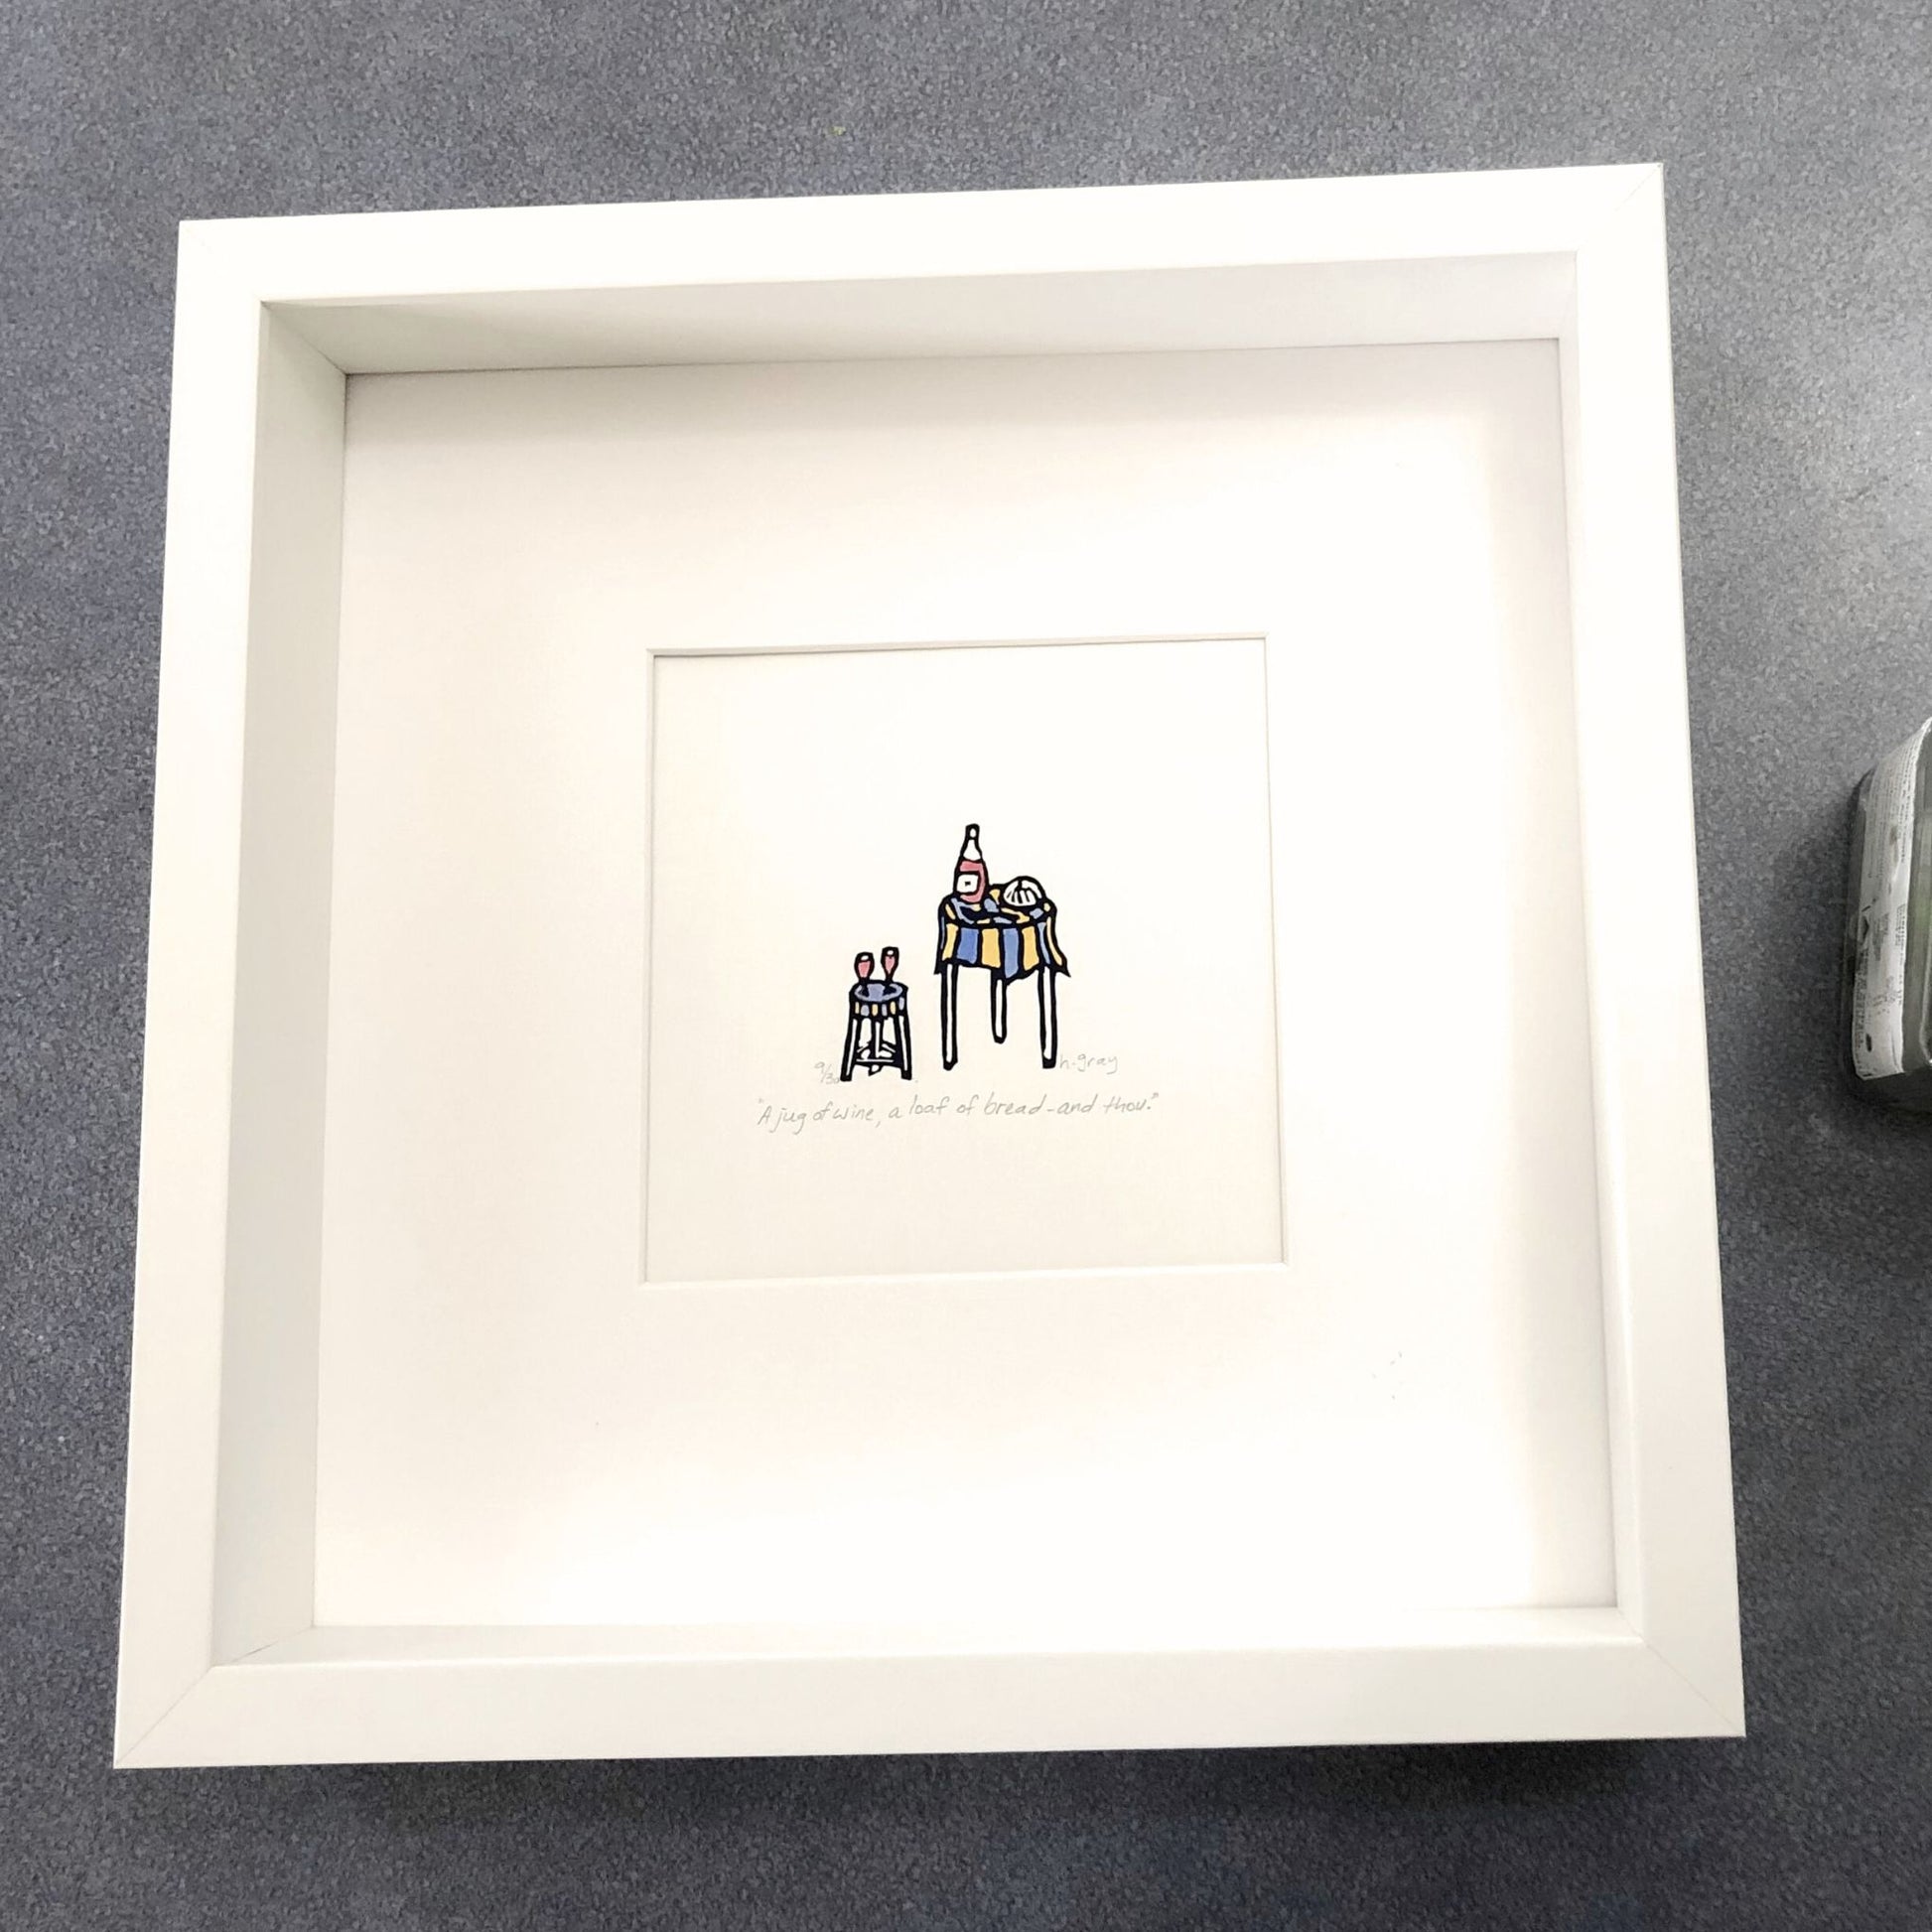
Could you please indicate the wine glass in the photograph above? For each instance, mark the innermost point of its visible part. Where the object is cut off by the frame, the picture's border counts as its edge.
(888, 960)
(862, 968)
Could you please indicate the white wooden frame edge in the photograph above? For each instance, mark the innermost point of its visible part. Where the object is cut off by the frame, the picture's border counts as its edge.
(219, 1659)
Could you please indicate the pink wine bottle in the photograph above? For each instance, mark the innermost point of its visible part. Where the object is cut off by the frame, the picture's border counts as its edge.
(969, 874)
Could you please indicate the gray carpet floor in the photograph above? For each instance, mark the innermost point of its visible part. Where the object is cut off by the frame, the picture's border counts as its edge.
(1799, 148)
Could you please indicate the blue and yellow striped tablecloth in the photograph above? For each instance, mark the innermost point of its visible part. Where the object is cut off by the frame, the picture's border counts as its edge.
(1010, 941)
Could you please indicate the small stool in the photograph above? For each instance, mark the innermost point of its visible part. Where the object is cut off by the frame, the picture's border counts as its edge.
(875, 1008)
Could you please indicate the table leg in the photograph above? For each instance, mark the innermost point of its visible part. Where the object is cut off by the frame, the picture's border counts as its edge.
(999, 1005)
(949, 1013)
(851, 1046)
(1049, 1017)
(905, 1041)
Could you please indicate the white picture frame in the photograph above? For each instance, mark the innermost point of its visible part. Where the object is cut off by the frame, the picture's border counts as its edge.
(223, 1657)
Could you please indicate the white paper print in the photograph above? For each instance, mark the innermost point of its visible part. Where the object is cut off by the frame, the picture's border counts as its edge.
(961, 961)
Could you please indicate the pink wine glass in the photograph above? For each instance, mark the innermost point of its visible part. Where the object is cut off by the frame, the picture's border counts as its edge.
(862, 968)
(888, 959)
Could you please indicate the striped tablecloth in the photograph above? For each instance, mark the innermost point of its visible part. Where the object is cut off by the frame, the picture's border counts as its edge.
(1010, 941)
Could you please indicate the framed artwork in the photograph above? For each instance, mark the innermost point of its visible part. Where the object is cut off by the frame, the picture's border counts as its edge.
(925, 976)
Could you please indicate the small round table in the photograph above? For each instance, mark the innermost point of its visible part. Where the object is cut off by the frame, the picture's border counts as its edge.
(1010, 942)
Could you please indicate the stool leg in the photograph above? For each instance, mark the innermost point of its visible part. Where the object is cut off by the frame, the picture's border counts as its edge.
(875, 1046)
(1049, 1017)
(999, 1005)
(904, 1023)
(949, 1013)
(851, 1044)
